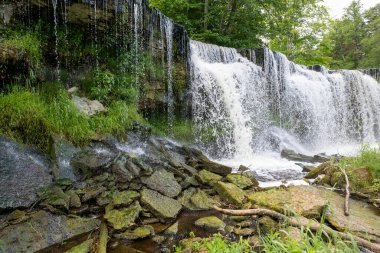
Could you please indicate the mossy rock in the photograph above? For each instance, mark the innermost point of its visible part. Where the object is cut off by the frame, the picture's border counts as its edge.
(291, 200)
(160, 205)
(124, 198)
(211, 222)
(208, 178)
(326, 168)
(202, 201)
(84, 247)
(55, 196)
(123, 218)
(163, 182)
(74, 199)
(268, 224)
(172, 230)
(241, 181)
(230, 193)
(138, 233)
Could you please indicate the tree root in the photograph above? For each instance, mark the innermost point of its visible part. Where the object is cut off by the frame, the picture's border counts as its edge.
(302, 222)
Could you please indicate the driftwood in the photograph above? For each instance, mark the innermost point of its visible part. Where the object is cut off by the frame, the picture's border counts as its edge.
(302, 222)
(347, 193)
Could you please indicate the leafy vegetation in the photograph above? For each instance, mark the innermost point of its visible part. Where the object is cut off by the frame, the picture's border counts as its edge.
(31, 117)
(277, 242)
(368, 157)
(303, 30)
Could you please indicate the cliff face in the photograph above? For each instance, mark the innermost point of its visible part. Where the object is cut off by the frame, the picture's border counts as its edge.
(79, 36)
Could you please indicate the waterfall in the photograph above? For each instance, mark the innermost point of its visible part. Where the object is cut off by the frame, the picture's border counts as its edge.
(167, 29)
(249, 107)
(55, 14)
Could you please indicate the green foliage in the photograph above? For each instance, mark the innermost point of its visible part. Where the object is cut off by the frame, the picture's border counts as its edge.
(22, 118)
(182, 129)
(309, 242)
(368, 157)
(22, 46)
(34, 117)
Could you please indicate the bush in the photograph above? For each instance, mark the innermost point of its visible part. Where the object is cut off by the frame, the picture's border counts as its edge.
(368, 157)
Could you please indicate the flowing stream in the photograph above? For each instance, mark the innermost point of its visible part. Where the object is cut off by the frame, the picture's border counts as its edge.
(248, 109)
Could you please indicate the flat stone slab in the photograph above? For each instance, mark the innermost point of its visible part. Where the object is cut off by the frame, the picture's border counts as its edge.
(41, 230)
(159, 204)
(163, 182)
(22, 172)
(310, 202)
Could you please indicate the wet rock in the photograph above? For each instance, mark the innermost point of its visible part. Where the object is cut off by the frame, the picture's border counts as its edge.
(74, 201)
(240, 181)
(55, 196)
(243, 168)
(172, 230)
(293, 156)
(189, 181)
(162, 206)
(87, 106)
(230, 193)
(125, 170)
(105, 198)
(138, 233)
(81, 210)
(90, 161)
(185, 196)
(209, 178)
(202, 201)
(211, 222)
(305, 168)
(42, 230)
(149, 220)
(324, 168)
(163, 182)
(92, 192)
(22, 172)
(123, 218)
(84, 247)
(214, 167)
(64, 151)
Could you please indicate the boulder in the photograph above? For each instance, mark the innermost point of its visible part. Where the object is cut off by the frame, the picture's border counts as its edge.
(163, 182)
(241, 181)
(230, 193)
(209, 178)
(64, 151)
(43, 229)
(293, 156)
(363, 219)
(90, 161)
(123, 218)
(160, 205)
(87, 106)
(214, 167)
(211, 222)
(292, 199)
(55, 196)
(22, 172)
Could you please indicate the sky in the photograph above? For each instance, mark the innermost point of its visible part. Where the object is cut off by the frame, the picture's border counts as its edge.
(336, 7)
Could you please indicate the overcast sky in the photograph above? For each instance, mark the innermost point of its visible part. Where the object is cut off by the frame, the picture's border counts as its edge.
(336, 7)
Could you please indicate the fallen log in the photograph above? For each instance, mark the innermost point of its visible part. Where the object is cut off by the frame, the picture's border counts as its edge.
(347, 193)
(301, 222)
(103, 238)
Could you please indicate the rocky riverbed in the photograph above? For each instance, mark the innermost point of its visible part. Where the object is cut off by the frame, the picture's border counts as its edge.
(151, 193)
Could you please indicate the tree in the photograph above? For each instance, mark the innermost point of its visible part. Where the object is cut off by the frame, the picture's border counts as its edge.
(371, 42)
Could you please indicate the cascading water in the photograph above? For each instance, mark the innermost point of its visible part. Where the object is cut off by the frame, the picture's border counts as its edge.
(55, 14)
(167, 30)
(246, 114)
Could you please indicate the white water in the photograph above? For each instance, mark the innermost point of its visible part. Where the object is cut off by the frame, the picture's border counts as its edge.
(246, 114)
